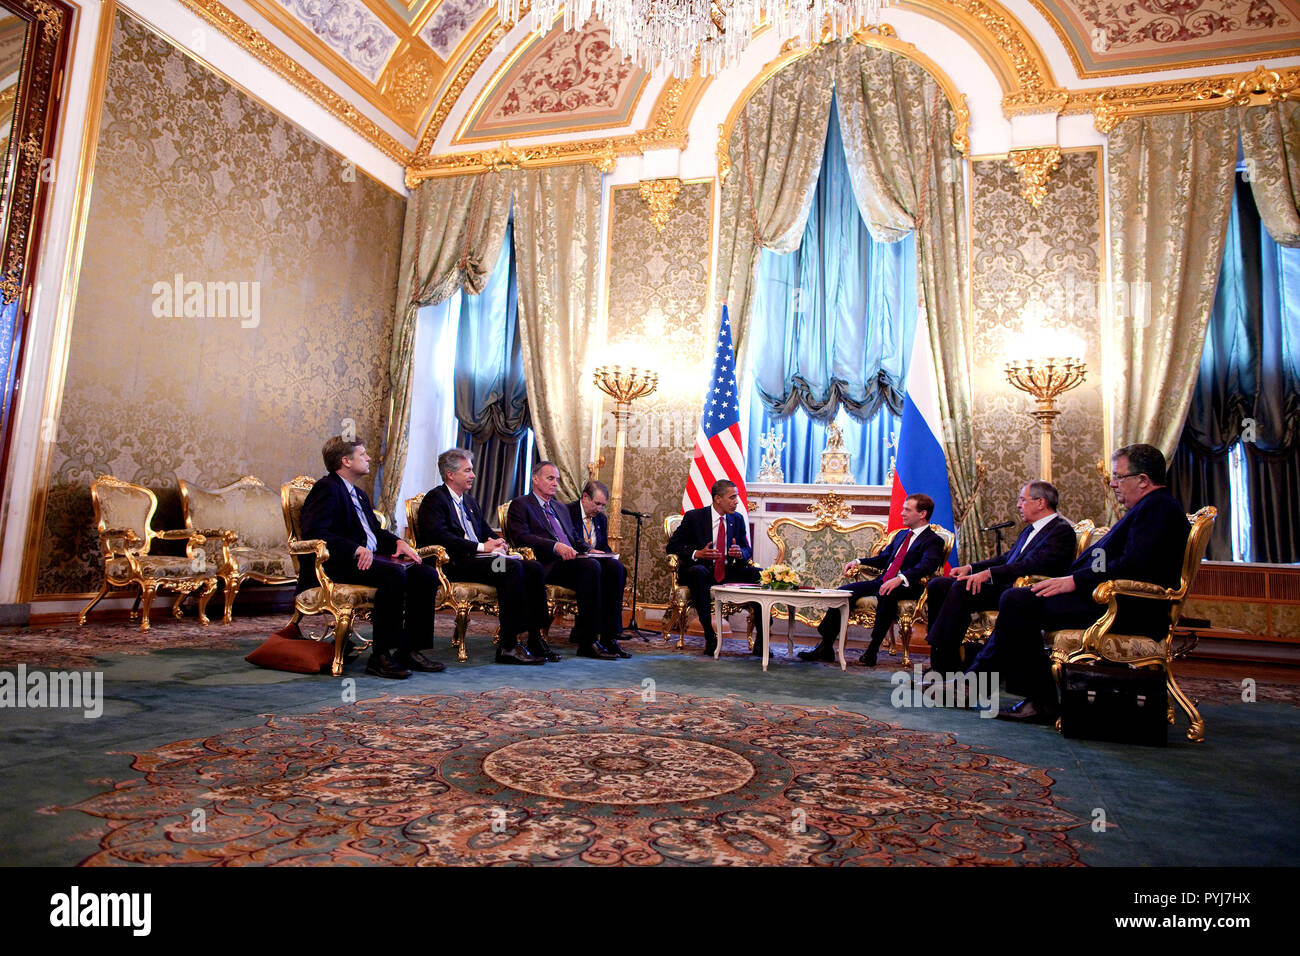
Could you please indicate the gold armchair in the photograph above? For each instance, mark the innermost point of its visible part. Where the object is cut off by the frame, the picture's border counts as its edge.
(1099, 642)
(461, 596)
(559, 600)
(343, 602)
(819, 550)
(245, 532)
(124, 518)
(910, 610)
(679, 600)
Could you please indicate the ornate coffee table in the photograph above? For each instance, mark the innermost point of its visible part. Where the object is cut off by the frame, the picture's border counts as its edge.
(766, 597)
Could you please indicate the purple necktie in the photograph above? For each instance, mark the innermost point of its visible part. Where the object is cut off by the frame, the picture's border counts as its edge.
(556, 528)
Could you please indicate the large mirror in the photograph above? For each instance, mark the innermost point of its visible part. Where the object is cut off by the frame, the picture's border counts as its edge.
(34, 37)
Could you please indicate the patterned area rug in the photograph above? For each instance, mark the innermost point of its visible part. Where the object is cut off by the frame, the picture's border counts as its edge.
(596, 777)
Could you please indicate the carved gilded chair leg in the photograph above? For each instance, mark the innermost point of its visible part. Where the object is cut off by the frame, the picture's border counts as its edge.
(1196, 729)
(342, 631)
(685, 620)
(177, 611)
(231, 584)
(905, 636)
(209, 589)
(458, 639)
(135, 606)
(147, 592)
(81, 618)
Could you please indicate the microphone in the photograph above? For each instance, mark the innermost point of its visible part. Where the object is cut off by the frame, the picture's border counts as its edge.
(999, 527)
(633, 514)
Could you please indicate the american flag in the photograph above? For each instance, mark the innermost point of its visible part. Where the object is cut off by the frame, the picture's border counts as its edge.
(719, 444)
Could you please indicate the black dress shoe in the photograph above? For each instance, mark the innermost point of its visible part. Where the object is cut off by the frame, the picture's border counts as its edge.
(539, 648)
(868, 657)
(517, 655)
(415, 661)
(597, 652)
(822, 652)
(710, 648)
(612, 645)
(1026, 712)
(381, 665)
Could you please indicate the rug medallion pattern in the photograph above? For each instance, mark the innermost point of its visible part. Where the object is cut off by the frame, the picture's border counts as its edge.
(595, 777)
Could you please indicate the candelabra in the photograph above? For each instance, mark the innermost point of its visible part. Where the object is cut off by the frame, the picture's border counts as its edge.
(1045, 379)
(624, 385)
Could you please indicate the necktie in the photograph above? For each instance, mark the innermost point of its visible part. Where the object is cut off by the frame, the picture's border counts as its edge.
(1021, 544)
(897, 563)
(719, 563)
(587, 532)
(556, 528)
(371, 543)
(464, 520)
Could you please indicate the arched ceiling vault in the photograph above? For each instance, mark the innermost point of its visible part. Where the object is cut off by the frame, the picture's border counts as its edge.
(399, 70)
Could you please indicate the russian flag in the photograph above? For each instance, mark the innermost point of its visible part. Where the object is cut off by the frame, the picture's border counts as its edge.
(920, 465)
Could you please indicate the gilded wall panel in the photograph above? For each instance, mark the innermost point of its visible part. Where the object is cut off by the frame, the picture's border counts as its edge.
(235, 303)
(658, 292)
(1041, 265)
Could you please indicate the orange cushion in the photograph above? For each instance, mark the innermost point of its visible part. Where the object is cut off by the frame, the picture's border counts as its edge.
(296, 655)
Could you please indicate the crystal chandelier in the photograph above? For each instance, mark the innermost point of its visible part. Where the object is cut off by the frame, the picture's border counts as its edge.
(673, 34)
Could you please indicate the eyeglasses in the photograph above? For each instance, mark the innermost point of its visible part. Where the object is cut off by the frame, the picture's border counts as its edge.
(1118, 477)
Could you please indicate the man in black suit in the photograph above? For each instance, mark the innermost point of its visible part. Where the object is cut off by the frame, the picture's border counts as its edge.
(590, 523)
(712, 548)
(1147, 544)
(907, 559)
(1046, 546)
(449, 516)
(536, 521)
(339, 513)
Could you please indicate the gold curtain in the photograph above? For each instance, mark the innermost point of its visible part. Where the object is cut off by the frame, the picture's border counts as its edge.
(557, 248)
(1170, 181)
(452, 237)
(898, 131)
(1270, 143)
(776, 153)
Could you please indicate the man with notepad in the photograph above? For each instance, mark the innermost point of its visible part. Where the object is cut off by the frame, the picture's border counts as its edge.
(449, 516)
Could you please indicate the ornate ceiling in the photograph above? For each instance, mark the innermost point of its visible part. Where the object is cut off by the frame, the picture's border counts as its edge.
(409, 62)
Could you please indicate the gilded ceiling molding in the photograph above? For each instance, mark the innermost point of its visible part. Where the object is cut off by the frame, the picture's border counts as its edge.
(410, 80)
(660, 195)
(666, 131)
(1034, 166)
(254, 43)
(1000, 39)
(1109, 105)
(884, 37)
(456, 87)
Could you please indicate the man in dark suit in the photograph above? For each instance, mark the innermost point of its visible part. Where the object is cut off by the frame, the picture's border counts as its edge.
(1046, 546)
(536, 521)
(339, 513)
(449, 516)
(907, 559)
(712, 548)
(1147, 544)
(590, 523)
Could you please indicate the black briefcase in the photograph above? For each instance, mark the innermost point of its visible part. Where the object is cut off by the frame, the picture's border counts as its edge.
(1113, 702)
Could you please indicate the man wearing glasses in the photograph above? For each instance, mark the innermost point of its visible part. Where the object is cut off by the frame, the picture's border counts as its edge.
(1147, 544)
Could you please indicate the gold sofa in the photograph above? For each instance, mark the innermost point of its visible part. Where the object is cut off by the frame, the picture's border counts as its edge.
(245, 528)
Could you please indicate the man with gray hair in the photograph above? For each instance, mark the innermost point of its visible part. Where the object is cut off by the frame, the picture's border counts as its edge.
(1045, 546)
(449, 516)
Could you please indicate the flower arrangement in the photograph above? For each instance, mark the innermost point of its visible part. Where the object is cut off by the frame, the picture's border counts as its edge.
(779, 577)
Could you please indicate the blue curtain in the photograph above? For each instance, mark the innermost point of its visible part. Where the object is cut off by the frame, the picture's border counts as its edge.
(491, 398)
(837, 318)
(1248, 390)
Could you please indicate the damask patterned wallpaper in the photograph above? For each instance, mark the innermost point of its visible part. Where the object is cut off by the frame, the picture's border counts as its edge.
(235, 303)
(1045, 261)
(659, 309)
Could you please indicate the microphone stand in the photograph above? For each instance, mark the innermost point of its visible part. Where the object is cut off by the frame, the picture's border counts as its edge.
(641, 632)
